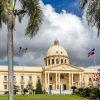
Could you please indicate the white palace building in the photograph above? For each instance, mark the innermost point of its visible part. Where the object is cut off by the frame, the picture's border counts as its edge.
(56, 75)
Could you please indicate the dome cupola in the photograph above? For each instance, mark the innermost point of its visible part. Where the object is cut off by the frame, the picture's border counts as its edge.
(56, 55)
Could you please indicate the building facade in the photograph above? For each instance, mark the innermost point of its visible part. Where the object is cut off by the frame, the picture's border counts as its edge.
(56, 75)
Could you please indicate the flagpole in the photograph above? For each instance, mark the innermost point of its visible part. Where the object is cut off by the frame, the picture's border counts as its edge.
(94, 60)
(95, 69)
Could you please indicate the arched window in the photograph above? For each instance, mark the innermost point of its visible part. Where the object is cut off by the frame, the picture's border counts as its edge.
(49, 62)
(52, 61)
(61, 61)
(65, 61)
(57, 61)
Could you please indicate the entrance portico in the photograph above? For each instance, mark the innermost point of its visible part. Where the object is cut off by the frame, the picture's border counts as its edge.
(62, 80)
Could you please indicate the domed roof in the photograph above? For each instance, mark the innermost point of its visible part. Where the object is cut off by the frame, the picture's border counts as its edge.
(56, 49)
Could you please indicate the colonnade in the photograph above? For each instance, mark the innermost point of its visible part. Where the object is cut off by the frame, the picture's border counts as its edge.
(58, 79)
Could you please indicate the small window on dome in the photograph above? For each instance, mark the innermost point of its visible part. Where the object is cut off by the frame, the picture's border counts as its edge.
(61, 52)
(48, 62)
(57, 61)
(52, 61)
(56, 51)
(61, 61)
(65, 61)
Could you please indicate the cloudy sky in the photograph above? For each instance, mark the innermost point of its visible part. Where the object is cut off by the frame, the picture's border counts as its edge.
(62, 19)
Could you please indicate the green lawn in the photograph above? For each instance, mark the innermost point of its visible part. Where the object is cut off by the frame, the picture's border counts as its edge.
(43, 97)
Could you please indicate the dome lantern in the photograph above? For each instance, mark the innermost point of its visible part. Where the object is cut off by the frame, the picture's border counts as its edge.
(56, 42)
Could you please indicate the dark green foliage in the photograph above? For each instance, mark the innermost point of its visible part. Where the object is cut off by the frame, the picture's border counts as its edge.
(24, 91)
(86, 92)
(38, 87)
(92, 13)
(2, 13)
(16, 88)
(29, 7)
(81, 91)
(34, 12)
(95, 93)
(92, 93)
(73, 87)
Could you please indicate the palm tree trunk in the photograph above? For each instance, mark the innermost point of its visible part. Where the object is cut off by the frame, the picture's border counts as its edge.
(10, 55)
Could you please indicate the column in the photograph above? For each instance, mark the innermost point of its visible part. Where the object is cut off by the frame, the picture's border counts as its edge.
(72, 79)
(69, 80)
(50, 60)
(56, 81)
(59, 80)
(80, 79)
(48, 80)
(45, 81)
(55, 60)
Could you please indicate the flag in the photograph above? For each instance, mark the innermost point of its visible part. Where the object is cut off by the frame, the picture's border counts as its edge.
(96, 76)
(92, 52)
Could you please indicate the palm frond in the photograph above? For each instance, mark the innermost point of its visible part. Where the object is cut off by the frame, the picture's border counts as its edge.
(83, 3)
(20, 14)
(35, 16)
(2, 12)
(93, 12)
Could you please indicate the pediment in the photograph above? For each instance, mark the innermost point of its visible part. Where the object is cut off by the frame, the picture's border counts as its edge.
(64, 68)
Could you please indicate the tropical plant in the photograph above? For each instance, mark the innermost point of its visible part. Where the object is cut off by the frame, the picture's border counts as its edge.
(38, 87)
(95, 93)
(29, 87)
(16, 88)
(92, 12)
(73, 88)
(24, 91)
(8, 14)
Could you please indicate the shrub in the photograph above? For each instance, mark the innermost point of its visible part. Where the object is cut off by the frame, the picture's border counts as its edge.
(73, 87)
(38, 87)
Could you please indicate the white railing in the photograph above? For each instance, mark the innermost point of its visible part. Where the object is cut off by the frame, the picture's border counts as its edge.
(60, 92)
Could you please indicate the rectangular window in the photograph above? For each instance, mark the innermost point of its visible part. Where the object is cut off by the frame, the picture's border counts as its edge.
(5, 86)
(22, 86)
(61, 76)
(30, 78)
(50, 78)
(5, 78)
(14, 78)
(22, 78)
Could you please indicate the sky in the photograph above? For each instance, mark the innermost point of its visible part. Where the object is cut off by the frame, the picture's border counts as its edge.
(62, 19)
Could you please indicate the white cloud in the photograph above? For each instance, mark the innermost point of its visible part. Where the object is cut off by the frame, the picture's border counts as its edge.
(68, 28)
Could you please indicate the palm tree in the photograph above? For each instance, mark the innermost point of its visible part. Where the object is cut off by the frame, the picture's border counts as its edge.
(93, 12)
(8, 14)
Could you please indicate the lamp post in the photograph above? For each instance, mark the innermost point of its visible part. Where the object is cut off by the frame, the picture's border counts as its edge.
(21, 52)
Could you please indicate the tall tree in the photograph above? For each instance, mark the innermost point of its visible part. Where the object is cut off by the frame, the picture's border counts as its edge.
(92, 12)
(38, 87)
(8, 13)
